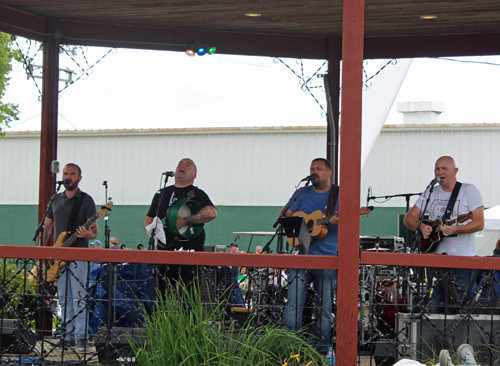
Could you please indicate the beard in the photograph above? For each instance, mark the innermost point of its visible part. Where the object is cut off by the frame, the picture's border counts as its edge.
(71, 186)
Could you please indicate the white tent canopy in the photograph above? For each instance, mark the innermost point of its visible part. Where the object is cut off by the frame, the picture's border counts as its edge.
(492, 218)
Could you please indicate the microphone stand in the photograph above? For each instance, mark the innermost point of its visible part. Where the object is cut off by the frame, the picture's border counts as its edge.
(407, 198)
(279, 231)
(39, 229)
(107, 231)
(111, 268)
(152, 234)
(44, 314)
(418, 238)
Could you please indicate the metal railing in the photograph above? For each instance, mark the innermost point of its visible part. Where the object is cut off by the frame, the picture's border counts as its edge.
(394, 319)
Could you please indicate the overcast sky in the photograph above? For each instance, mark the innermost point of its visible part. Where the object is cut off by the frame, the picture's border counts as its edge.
(152, 89)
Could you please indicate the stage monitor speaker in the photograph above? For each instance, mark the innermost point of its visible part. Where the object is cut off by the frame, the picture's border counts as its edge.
(113, 347)
(385, 353)
(16, 338)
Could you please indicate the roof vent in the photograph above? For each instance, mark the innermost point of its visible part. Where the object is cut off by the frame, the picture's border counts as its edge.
(421, 113)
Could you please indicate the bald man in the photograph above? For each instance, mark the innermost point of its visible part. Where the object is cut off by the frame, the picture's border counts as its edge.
(182, 189)
(457, 239)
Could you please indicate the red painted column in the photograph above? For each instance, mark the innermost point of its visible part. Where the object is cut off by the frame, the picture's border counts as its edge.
(350, 177)
(48, 134)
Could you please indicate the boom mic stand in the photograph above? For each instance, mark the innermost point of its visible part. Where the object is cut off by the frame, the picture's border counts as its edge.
(39, 229)
(44, 315)
(152, 234)
(407, 198)
(279, 231)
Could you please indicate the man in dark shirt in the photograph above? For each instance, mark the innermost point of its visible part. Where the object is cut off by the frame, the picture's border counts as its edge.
(73, 276)
(176, 238)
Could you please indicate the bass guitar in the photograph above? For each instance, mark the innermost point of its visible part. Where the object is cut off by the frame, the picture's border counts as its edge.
(317, 223)
(49, 269)
(430, 244)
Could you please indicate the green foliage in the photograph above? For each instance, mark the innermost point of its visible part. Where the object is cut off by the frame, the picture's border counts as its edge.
(8, 111)
(18, 294)
(189, 333)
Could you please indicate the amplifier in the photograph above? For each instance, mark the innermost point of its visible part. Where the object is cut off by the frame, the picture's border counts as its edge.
(382, 243)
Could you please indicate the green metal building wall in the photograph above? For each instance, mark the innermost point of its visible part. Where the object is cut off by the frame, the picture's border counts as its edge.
(19, 223)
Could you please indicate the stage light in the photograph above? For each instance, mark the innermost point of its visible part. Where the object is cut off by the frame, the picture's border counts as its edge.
(200, 49)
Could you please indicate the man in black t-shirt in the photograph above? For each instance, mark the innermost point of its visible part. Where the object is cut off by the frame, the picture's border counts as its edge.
(183, 189)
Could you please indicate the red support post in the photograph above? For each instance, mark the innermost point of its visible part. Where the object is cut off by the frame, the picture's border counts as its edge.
(48, 148)
(48, 134)
(350, 177)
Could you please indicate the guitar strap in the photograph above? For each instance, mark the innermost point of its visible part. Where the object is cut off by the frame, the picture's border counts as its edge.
(451, 202)
(71, 226)
(332, 200)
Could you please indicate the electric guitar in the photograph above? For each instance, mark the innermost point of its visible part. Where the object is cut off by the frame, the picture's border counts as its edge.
(49, 269)
(430, 244)
(317, 223)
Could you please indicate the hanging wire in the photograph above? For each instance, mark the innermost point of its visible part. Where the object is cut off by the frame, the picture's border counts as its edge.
(367, 83)
(467, 61)
(28, 62)
(305, 81)
(85, 71)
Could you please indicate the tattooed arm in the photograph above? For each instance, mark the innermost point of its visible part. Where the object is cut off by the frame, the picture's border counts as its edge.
(206, 214)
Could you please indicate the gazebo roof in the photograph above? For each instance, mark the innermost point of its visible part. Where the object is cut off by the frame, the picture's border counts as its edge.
(392, 28)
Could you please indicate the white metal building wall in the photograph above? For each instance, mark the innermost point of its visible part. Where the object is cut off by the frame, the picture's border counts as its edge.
(250, 166)
(402, 160)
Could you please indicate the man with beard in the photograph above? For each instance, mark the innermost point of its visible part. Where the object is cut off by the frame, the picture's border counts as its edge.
(69, 212)
(308, 200)
(182, 189)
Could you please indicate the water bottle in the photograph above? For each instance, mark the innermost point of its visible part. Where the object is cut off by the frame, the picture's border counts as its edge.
(330, 356)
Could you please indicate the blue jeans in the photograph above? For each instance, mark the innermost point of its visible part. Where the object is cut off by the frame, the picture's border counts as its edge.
(72, 290)
(298, 285)
(459, 284)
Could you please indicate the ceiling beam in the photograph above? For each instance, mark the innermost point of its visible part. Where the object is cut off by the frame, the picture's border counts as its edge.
(240, 43)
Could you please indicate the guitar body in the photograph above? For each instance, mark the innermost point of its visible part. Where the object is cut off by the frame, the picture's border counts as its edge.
(430, 244)
(316, 231)
(317, 223)
(50, 268)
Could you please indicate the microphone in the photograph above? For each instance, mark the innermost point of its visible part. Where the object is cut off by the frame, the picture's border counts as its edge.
(169, 174)
(62, 181)
(309, 177)
(434, 181)
(368, 196)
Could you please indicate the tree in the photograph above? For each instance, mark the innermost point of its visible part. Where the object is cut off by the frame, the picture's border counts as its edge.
(8, 111)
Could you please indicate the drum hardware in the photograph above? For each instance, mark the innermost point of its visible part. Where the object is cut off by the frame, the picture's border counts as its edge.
(382, 243)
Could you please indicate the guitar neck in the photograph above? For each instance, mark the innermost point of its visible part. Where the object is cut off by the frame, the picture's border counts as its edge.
(324, 220)
(73, 237)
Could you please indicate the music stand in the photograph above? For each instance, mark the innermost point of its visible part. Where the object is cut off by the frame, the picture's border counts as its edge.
(295, 227)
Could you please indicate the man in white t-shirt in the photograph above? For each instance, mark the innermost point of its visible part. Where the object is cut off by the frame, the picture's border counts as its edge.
(457, 239)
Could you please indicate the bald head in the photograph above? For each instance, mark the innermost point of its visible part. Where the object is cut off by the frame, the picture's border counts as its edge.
(446, 169)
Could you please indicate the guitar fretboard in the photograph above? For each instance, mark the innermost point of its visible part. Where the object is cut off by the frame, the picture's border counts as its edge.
(73, 237)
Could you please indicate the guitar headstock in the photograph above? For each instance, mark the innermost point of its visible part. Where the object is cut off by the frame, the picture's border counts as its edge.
(366, 210)
(103, 211)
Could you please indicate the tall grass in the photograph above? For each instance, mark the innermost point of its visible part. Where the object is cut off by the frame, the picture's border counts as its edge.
(184, 331)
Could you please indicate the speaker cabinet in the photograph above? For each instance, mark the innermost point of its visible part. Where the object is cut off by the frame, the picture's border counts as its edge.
(16, 338)
(113, 346)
